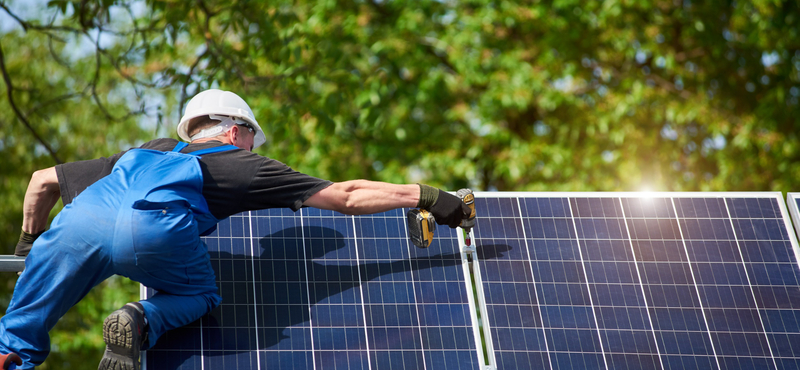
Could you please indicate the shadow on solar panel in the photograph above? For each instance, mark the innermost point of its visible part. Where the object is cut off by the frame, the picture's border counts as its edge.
(303, 299)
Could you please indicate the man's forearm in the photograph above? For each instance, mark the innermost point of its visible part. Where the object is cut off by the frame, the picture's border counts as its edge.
(42, 194)
(359, 197)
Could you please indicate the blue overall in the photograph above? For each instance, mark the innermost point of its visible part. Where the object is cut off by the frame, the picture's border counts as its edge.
(143, 221)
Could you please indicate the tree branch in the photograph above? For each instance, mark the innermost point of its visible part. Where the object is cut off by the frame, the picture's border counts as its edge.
(27, 25)
(20, 115)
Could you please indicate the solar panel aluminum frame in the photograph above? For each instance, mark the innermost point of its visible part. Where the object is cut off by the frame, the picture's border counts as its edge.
(792, 199)
(477, 301)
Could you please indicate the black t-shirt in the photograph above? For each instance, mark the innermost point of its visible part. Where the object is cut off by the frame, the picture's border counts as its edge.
(234, 181)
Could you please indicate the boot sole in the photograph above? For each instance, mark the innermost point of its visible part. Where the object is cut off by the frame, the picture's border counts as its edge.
(120, 336)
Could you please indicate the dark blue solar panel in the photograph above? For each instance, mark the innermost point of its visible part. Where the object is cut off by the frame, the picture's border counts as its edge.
(639, 283)
(320, 290)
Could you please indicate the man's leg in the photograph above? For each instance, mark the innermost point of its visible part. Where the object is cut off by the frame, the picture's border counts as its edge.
(126, 331)
(178, 302)
(165, 312)
(173, 261)
(59, 272)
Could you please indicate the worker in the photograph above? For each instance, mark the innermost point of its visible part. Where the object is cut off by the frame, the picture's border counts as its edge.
(140, 214)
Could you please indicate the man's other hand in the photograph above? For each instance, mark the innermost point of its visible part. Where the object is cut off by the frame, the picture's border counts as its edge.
(25, 243)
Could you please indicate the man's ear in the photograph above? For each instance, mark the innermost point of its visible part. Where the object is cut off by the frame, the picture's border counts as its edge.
(233, 134)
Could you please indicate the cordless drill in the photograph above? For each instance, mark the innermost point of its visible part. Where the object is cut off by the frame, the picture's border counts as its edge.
(421, 223)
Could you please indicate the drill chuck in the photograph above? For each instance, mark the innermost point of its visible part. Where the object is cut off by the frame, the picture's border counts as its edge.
(469, 199)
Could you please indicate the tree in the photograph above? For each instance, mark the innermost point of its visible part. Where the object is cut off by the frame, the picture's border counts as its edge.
(495, 95)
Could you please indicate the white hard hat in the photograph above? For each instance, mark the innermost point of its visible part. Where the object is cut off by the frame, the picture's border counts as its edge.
(220, 103)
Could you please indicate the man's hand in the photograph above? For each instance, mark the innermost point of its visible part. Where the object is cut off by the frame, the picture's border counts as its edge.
(446, 208)
(25, 243)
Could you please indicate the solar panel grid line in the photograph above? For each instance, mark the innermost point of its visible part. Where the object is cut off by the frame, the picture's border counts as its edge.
(750, 285)
(361, 291)
(588, 286)
(694, 282)
(202, 351)
(641, 283)
(253, 266)
(416, 307)
(308, 290)
(535, 292)
(249, 241)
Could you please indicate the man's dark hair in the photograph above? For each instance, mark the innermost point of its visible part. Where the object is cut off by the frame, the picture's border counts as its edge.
(197, 124)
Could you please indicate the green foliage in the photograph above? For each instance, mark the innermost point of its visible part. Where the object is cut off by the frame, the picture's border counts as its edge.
(497, 95)
(58, 104)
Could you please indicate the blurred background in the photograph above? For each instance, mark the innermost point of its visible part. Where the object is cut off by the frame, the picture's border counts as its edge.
(565, 95)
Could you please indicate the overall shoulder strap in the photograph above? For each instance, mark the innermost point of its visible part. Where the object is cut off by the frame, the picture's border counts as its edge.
(217, 149)
(180, 146)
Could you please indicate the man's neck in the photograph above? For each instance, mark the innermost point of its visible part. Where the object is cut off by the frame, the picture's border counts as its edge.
(223, 140)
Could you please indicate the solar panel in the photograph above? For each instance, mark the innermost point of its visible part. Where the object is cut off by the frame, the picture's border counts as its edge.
(321, 290)
(624, 281)
(561, 281)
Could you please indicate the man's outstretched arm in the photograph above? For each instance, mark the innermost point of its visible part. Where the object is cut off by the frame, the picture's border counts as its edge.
(358, 197)
(42, 194)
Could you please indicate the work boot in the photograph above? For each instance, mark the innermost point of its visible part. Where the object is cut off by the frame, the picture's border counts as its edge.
(10, 361)
(124, 332)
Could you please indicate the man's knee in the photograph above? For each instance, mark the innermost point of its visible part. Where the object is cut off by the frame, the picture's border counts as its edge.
(213, 300)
